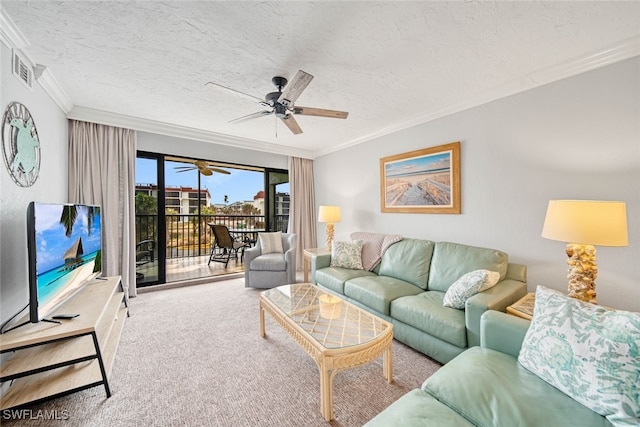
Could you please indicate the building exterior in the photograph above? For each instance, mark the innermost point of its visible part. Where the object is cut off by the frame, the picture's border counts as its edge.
(184, 200)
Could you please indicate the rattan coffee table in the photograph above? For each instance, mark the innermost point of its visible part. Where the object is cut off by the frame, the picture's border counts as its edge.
(336, 334)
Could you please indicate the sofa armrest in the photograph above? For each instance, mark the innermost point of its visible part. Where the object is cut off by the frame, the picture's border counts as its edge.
(502, 332)
(497, 298)
(318, 262)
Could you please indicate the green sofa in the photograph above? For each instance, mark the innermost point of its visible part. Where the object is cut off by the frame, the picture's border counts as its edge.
(486, 386)
(407, 289)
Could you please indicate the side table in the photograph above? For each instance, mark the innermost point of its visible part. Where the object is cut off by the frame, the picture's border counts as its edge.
(523, 307)
(308, 253)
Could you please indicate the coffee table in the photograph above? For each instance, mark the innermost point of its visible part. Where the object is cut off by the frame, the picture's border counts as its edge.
(336, 334)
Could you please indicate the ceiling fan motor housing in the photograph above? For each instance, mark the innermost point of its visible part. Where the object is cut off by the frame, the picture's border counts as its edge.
(279, 109)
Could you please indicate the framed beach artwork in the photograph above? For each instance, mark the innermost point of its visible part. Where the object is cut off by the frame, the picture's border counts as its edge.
(422, 181)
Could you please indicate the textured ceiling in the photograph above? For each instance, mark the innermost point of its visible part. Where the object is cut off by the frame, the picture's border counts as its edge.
(390, 64)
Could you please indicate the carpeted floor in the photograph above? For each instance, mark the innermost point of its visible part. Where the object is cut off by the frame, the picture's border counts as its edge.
(194, 356)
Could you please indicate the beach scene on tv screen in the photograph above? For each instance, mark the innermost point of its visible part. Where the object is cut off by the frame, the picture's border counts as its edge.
(65, 262)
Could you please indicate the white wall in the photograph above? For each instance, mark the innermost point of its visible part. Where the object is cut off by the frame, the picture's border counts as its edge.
(51, 185)
(577, 138)
(204, 150)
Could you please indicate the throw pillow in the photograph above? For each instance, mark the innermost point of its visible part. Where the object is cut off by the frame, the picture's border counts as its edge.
(347, 254)
(271, 242)
(588, 352)
(469, 285)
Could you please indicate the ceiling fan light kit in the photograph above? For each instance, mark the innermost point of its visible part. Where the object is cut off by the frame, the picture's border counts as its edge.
(282, 102)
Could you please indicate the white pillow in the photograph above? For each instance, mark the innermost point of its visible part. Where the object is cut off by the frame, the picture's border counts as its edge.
(469, 285)
(588, 352)
(347, 254)
(271, 242)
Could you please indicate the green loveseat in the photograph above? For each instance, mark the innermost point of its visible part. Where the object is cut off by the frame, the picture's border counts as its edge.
(486, 386)
(407, 289)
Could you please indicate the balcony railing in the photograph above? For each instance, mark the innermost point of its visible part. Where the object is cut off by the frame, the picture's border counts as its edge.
(191, 236)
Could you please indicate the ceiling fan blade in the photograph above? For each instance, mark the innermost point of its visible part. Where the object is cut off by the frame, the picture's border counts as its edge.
(295, 88)
(206, 172)
(236, 92)
(291, 123)
(185, 170)
(219, 170)
(321, 112)
(251, 116)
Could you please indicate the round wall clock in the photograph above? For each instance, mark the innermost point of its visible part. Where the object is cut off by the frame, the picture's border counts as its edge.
(20, 144)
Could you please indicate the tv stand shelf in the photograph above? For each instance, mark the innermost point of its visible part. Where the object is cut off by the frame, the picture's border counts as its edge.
(51, 360)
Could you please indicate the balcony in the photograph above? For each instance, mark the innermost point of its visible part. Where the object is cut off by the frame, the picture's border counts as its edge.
(188, 244)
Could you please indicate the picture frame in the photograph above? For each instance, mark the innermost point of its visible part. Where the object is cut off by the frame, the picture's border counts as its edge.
(422, 181)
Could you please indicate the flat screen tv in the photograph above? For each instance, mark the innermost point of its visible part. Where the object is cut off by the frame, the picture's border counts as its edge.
(64, 248)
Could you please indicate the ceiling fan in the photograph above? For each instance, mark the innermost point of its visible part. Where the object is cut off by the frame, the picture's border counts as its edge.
(203, 167)
(282, 102)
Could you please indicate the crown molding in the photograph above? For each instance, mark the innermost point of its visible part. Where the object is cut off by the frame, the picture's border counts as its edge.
(624, 50)
(10, 35)
(177, 131)
(51, 86)
(14, 39)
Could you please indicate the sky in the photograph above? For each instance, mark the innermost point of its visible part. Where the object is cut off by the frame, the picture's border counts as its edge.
(239, 185)
(418, 164)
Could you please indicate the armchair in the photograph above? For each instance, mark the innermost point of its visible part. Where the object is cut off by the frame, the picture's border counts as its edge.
(271, 269)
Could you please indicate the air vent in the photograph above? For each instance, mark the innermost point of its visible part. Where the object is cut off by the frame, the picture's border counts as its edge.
(21, 70)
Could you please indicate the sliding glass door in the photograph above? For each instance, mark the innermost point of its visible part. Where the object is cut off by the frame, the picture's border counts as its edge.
(150, 260)
(177, 201)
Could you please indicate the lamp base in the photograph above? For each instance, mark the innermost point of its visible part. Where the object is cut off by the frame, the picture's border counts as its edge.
(582, 272)
(329, 235)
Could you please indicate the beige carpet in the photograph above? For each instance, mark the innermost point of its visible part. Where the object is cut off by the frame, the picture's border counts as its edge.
(193, 356)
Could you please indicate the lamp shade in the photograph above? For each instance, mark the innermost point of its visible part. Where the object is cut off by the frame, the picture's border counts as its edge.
(329, 214)
(589, 222)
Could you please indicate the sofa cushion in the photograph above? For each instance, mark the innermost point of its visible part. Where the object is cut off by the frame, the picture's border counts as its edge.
(426, 313)
(333, 278)
(468, 285)
(378, 292)
(418, 409)
(452, 260)
(588, 352)
(490, 388)
(408, 260)
(269, 262)
(271, 242)
(347, 254)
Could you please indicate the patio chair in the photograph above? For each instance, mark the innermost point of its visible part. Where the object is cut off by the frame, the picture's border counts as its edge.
(145, 252)
(224, 245)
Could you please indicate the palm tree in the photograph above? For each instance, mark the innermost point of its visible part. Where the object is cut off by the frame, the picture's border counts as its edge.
(70, 214)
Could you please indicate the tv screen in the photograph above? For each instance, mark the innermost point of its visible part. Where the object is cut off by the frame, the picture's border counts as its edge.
(65, 253)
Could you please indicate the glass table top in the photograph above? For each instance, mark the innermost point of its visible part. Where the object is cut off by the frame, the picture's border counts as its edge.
(331, 321)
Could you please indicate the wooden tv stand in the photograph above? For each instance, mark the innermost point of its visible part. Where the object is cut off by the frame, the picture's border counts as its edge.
(51, 360)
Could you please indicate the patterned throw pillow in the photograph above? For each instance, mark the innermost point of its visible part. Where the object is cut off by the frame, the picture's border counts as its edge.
(469, 285)
(587, 352)
(347, 254)
(271, 242)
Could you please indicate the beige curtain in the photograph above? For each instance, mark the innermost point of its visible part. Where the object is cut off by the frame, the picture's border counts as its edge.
(302, 208)
(102, 172)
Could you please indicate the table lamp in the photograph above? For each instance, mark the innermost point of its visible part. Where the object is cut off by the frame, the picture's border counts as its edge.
(330, 215)
(583, 224)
